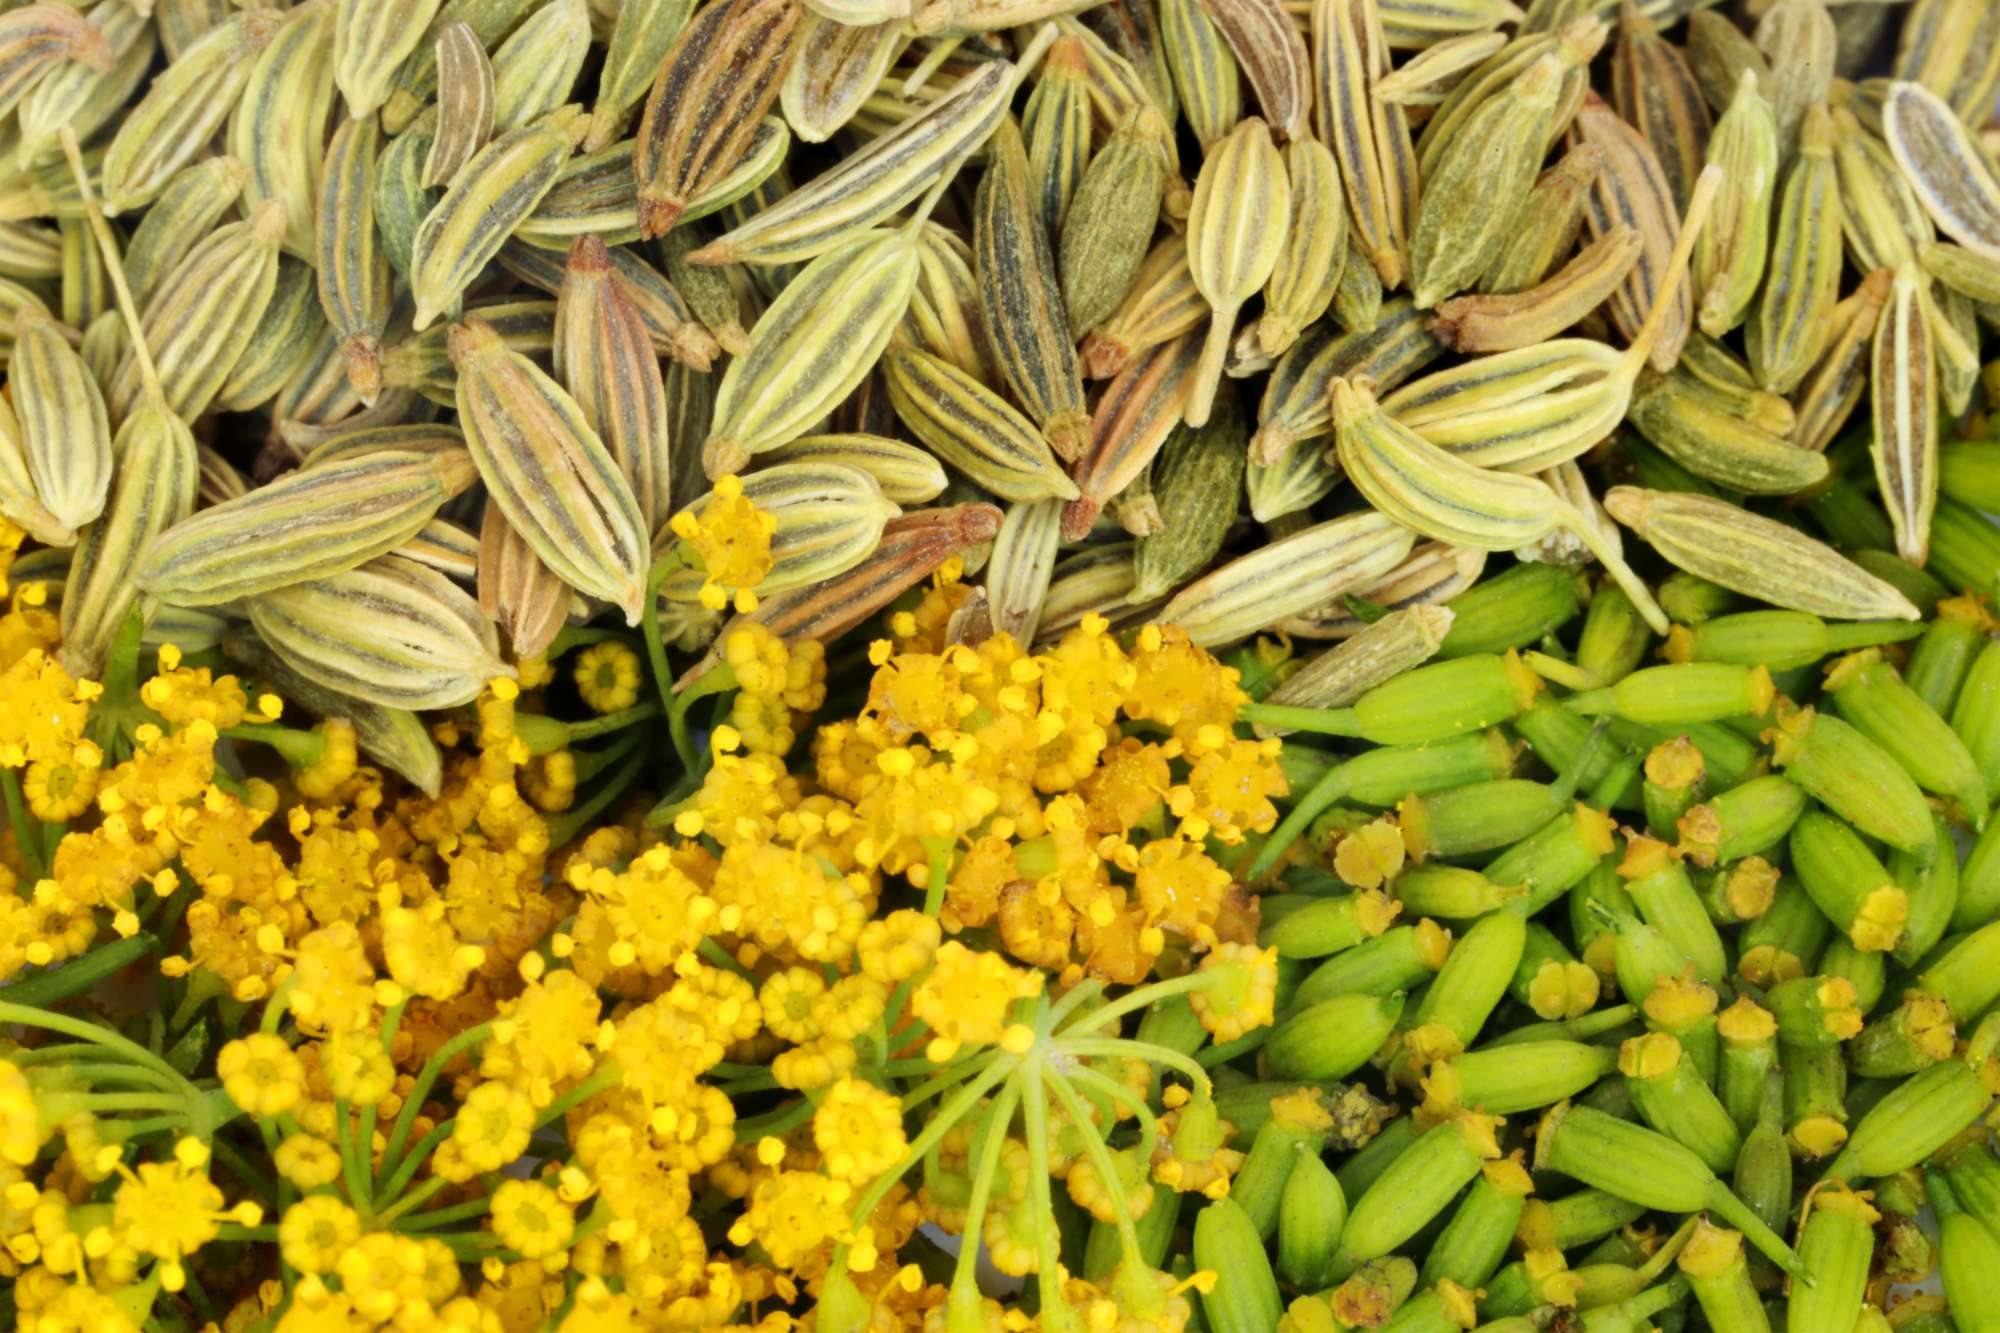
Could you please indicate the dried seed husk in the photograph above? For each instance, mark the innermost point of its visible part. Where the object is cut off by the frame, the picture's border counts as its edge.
(185, 212)
(1718, 54)
(1132, 421)
(1656, 93)
(1951, 176)
(838, 66)
(1056, 129)
(1236, 227)
(1287, 577)
(548, 470)
(1479, 184)
(1681, 418)
(1118, 206)
(1118, 89)
(643, 33)
(402, 200)
(1297, 406)
(1206, 78)
(906, 474)
(1437, 495)
(1023, 560)
(36, 38)
(604, 356)
(1523, 318)
(1903, 396)
(1272, 54)
(1797, 37)
(15, 299)
(296, 438)
(1755, 556)
(466, 104)
(1879, 214)
(1431, 575)
(1631, 190)
(371, 43)
(516, 590)
(284, 339)
(391, 632)
(1802, 275)
(205, 313)
(278, 126)
(1197, 483)
(829, 519)
(1425, 78)
(1376, 653)
(944, 317)
(63, 433)
(1730, 254)
(45, 190)
(871, 184)
(497, 190)
(973, 429)
(721, 76)
(1161, 303)
(1314, 253)
(422, 362)
(535, 69)
(417, 80)
(1369, 138)
(309, 524)
(80, 95)
(1021, 295)
(354, 280)
(814, 344)
(1829, 395)
(181, 112)
(1549, 224)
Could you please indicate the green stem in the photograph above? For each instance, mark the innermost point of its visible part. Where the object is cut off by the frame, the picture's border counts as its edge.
(1107, 1086)
(416, 1196)
(656, 647)
(259, 1182)
(299, 749)
(1107, 1166)
(593, 727)
(353, 1162)
(606, 1075)
(27, 831)
(1126, 1048)
(54, 985)
(1080, 994)
(565, 826)
(407, 1168)
(775, 1123)
(120, 1072)
(433, 1067)
(1048, 1275)
(719, 956)
(1332, 785)
(133, 1101)
(437, 1217)
(992, 1141)
(1142, 998)
(715, 680)
(934, 886)
(1319, 721)
(95, 1034)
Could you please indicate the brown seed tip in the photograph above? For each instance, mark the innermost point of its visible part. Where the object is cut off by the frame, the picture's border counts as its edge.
(657, 216)
(587, 255)
(470, 339)
(1078, 517)
(976, 523)
(363, 354)
(716, 252)
(721, 456)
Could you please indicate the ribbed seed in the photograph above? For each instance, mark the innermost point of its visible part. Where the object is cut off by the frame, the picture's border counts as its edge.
(1161, 303)
(218, 478)
(1656, 93)
(402, 200)
(417, 438)
(1023, 560)
(1425, 78)
(422, 362)
(1575, 43)
(1130, 29)
(1272, 54)
(1133, 419)
(1369, 138)
(973, 429)
(64, 432)
(1118, 206)
(85, 283)
(1730, 253)
(1297, 400)
(1548, 225)
(1954, 324)
(1021, 295)
(205, 313)
(516, 590)
(182, 22)
(1197, 483)
(1206, 77)
(392, 632)
(278, 126)
(1903, 394)
(1379, 652)
(722, 75)
(1430, 575)
(1831, 392)
(1287, 577)
(829, 519)
(371, 42)
(535, 69)
(1797, 37)
(1094, 580)
(1802, 275)
(181, 112)
(1235, 231)
(1314, 251)
(1632, 191)
(466, 105)
(1524, 318)
(1119, 86)
(103, 345)
(185, 212)
(1949, 48)
(1479, 184)
(1718, 54)
(1419, 23)
(1755, 556)
(838, 66)
(284, 339)
(309, 524)
(417, 80)
(1879, 214)
(640, 39)
(1056, 128)
(814, 344)
(871, 184)
(595, 195)
(78, 93)
(604, 357)
(497, 189)
(1952, 177)
(34, 38)
(1683, 419)
(354, 281)
(710, 293)
(944, 317)
(906, 474)
(548, 470)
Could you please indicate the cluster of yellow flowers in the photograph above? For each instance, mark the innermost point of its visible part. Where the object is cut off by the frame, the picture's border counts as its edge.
(302, 1047)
